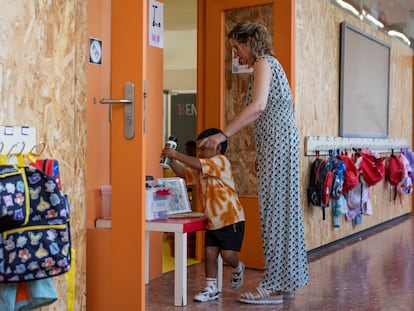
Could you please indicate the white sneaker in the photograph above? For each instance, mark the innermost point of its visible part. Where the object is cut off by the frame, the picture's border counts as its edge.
(207, 294)
(237, 278)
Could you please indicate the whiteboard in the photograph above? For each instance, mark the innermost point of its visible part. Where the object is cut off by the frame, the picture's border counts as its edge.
(364, 84)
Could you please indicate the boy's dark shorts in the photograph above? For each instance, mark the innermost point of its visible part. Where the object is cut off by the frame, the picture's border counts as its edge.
(226, 238)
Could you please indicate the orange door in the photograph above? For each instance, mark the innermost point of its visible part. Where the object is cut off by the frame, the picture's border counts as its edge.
(211, 86)
(133, 61)
(127, 159)
(116, 256)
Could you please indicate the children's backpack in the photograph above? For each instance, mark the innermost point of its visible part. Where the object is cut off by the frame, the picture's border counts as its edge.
(320, 184)
(50, 167)
(14, 197)
(371, 168)
(337, 167)
(351, 173)
(41, 246)
(394, 170)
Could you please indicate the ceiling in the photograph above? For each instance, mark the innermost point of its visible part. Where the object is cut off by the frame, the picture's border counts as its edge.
(180, 15)
(395, 14)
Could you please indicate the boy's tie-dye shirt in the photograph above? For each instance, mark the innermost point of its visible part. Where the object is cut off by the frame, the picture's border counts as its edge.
(218, 195)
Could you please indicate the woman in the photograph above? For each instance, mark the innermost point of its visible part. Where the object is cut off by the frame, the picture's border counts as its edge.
(270, 107)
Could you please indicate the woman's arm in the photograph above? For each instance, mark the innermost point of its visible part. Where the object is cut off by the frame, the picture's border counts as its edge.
(260, 93)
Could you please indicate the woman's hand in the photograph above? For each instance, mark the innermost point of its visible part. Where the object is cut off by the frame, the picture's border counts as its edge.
(211, 141)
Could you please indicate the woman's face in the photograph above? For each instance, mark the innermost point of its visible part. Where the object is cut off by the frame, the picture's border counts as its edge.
(242, 51)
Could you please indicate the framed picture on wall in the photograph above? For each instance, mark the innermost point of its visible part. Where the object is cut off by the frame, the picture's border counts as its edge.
(237, 66)
(364, 84)
(180, 202)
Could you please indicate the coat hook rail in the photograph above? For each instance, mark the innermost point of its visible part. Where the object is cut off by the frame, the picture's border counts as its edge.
(21, 135)
(325, 143)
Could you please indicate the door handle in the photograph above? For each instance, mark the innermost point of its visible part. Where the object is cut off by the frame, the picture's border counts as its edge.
(115, 101)
(129, 108)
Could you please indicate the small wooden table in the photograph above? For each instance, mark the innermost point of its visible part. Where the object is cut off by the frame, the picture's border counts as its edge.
(180, 227)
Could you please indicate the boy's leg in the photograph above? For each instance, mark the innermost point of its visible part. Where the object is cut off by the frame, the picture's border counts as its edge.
(237, 275)
(210, 292)
(230, 258)
(211, 253)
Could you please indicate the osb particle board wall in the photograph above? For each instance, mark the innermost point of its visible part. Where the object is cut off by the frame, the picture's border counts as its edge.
(42, 85)
(317, 108)
(241, 148)
(317, 102)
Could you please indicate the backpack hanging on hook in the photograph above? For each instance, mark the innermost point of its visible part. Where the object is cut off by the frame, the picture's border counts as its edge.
(372, 168)
(351, 173)
(394, 169)
(40, 247)
(320, 184)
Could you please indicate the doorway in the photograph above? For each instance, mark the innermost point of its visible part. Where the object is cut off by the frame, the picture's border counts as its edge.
(180, 93)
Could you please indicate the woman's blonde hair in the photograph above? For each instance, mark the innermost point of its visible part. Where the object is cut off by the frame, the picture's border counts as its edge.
(260, 43)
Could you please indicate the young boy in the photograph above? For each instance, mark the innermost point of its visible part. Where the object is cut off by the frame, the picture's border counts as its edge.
(211, 170)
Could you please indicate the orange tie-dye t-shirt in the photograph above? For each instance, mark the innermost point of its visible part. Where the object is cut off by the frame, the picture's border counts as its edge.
(219, 198)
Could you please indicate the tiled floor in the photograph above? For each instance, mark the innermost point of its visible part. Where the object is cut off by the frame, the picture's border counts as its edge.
(368, 273)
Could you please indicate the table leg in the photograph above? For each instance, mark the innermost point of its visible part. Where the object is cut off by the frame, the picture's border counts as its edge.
(180, 273)
(147, 241)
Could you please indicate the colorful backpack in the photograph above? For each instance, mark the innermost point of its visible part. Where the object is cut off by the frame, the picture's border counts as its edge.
(50, 167)
(14, 197)
(351, 173)
(320, 184)
(394, 170)
(371, 168)
(39, 247)
(338, 169)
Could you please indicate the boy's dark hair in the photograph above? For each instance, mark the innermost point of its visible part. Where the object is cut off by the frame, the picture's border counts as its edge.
(211, 131)
(191, 147)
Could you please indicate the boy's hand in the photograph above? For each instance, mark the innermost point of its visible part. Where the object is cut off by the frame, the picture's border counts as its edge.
(169, 153)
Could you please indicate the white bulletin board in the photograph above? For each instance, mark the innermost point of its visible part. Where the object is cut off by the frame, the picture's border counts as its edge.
(364, 84)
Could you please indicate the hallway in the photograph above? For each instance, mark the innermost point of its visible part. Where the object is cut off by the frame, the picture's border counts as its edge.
(370, 272)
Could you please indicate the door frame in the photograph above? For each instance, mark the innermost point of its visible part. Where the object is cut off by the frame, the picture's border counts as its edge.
(211, 85)
(211, 39)
(128, 157)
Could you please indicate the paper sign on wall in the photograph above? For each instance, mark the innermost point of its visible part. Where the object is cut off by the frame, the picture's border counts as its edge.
(95, 51)
(156, 24)
(238, 66)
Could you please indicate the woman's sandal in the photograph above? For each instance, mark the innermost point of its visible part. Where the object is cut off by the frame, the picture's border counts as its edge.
(262, 296)
(288, 295)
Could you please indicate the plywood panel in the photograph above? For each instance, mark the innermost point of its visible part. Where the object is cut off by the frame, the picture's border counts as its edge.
(42, 85)
(317, 102)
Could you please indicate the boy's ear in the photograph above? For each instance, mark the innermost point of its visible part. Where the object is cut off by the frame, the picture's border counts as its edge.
(218, 148)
